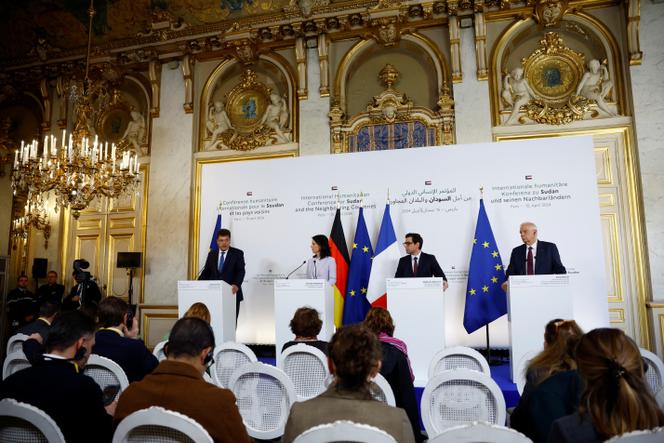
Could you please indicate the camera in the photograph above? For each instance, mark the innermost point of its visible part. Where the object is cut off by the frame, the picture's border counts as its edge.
(79, 274)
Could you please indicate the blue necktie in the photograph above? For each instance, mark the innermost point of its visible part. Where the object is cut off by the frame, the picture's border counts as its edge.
(220, 266)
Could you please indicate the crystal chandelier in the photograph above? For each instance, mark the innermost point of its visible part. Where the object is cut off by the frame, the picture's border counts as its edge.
(78, 168)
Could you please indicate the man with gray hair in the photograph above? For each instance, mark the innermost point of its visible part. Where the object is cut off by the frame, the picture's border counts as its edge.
(533, 256)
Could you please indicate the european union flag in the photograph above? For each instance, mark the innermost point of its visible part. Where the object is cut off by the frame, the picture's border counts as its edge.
(356, 305)
(485, 299)
(217, 227)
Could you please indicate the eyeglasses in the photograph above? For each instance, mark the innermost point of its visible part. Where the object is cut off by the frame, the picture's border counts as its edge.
(406, 243)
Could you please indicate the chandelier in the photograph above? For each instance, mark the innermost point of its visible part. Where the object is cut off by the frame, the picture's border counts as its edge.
(20, 228)
(78, 168)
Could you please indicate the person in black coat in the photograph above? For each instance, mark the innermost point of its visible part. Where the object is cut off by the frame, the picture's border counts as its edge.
(56, 386)
(227, 264)
(52, 291)
(418, 263)
(117, 340)
(21, 304)
(85, 294)
(533, 257)
(47, 312)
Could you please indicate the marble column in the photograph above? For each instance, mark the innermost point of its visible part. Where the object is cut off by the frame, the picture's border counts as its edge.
(169, 196)
(648, 94)
(314, 125)
(471, 97)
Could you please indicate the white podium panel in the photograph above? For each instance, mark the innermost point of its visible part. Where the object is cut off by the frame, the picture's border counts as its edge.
(289, 295)
(532, 302)
(220, 301)
(417, 306)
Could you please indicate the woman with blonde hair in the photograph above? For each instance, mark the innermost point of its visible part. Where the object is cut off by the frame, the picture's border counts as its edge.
(616, 398)
(553, 386)
(199, 310)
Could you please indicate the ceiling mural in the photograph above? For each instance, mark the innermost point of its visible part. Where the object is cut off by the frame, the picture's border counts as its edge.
(62, 24)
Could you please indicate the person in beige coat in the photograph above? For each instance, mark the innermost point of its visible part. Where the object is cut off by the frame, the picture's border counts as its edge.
(354, 358)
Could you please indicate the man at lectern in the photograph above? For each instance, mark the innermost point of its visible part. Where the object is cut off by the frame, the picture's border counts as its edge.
(418, 263)
(533, 256)
(226, 264)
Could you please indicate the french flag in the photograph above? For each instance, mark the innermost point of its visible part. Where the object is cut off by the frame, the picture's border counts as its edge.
(384, 263)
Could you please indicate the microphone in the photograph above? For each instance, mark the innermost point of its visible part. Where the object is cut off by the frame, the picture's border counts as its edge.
(291, 272)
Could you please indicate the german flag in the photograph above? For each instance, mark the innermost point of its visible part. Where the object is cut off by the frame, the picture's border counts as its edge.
(339, 251)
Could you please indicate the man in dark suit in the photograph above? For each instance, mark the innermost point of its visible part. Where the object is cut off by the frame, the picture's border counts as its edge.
(117, 340)
(226, 264)
(178, 385)
(51, 291)
(56, 386)
(533, 256)
(21, 304)
(418, 263)
(47, 312)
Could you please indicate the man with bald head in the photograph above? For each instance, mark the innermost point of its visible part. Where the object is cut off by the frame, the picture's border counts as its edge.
(533, 256)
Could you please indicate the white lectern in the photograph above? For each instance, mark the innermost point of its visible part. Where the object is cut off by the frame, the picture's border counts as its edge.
(417, 306)
(533, 301)
(219, 299)
(289, 295)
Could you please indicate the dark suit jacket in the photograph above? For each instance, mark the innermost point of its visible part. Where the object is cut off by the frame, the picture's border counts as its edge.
(427, 267)
(92, 296)
(396, 371)
(357, 406)
(547, 260)
(39, 326)
(233, 272)
(131, 354)
(318, 344)
(540, 405)
(72, 399)
(20, 306)
(177, 386)
(52, 293)
(574, 429)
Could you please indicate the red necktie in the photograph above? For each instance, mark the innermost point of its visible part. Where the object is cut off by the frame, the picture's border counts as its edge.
(530, 269)
(415, 266)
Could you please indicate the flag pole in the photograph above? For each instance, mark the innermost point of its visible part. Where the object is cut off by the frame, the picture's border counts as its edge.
(486, 327)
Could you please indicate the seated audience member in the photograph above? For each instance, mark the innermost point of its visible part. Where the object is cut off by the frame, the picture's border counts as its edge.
(21, 304)
(117, 340)
(354, 358)
(177, 384)
(47, 312)
(553, 386)
(51, 291)
(57, 386)
(306, 325)
(395, 365)
(199, 310)
(616, 398)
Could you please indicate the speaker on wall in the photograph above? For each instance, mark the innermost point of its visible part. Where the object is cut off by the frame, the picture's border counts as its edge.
(128, 260)
(39, 266)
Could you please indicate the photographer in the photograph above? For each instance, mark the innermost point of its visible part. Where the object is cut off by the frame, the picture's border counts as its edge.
(85, 294)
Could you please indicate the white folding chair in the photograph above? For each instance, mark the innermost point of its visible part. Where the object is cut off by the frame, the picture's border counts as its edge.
(521, 370)
(660, 399)
(14, 362)
(159, 425)
(458, 357)
(264, 396)
(105, 372)
(480, 432)
(307, 368)
(228, 357)
(655, 372)
(344, 430)
(381, 390)
(21, 422)
(158, 350)
(462, 396)
(648, 436)
(15, 343)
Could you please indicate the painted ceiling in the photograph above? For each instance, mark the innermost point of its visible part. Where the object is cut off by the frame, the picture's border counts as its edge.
(63, 23)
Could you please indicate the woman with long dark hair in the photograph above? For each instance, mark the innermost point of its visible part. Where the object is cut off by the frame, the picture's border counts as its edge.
(321, 265)
(616, 398)
(553, 386)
